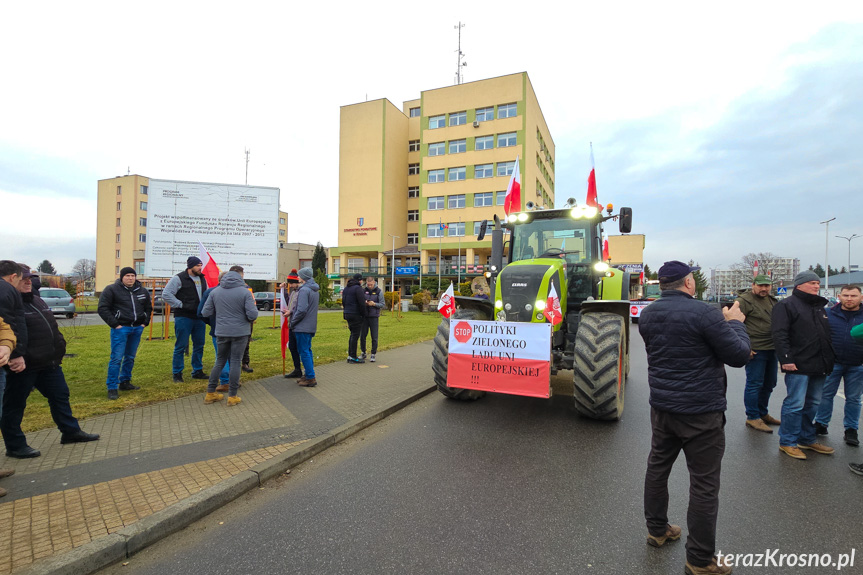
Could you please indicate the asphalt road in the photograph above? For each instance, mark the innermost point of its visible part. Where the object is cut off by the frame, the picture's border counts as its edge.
(518, 485)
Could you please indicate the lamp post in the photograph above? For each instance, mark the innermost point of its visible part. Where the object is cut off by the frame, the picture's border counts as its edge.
(849, 250)
(826, 253)
(393, 263)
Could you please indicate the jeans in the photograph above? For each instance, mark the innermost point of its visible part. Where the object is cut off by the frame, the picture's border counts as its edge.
(52, 384)
(761, 375)
(355, 324)
(853, 375)
(292, 347)
(370, 324)
(2, 386)
(304, 346)
(799, 407)
(224, 376)
(183, 328)
(124, 346)
(229, 350)
(246, 359)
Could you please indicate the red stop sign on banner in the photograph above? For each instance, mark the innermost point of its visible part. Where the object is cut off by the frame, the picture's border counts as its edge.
(634, 310)
(462, 331)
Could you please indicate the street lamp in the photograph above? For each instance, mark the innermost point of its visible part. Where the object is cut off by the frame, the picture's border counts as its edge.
(393, 264)
(849, 250)
(826, 253)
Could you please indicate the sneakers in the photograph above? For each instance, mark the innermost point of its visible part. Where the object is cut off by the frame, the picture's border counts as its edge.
(355, 360)
(817, 448)
(113, 394)
(223, 387)
(850, 437)
(79, 436)
(293, 374)
(363, 355)
(25, 452)
(246, 368)
(6, 473)
(127, 386)
(233, 400)
(178, 377)
(372, 359)
(213, 397)
(200, 375)
(820, 429)
(792, 451)
(672, 533)
(3, 492)
(307, 382)
(710, 569)
(758, 425)
(856, 468)
(770, 420)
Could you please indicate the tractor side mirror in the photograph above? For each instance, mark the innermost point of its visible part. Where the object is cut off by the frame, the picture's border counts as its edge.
(625, 220)
(483, 226)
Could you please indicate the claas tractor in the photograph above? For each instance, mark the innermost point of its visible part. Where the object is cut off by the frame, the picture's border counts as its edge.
(560, 248)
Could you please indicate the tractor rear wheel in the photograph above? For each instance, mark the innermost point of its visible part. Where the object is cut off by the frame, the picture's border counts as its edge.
(440, 354)
(600, 366)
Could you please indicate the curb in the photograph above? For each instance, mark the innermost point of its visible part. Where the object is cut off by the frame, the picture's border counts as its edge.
(126, 542)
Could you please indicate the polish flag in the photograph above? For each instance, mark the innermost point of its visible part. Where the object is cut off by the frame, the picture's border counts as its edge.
(641, 278)
(552, 307)
(755, 269)
(591, 183)
(446, 305)
(605, 255)
(512, 202)
(283, 304)
(210, 268)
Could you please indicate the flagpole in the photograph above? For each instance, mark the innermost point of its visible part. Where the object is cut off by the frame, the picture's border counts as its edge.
(459, 252)
(439, 240)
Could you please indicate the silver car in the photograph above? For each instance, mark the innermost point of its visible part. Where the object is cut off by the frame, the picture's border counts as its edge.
(59, 300)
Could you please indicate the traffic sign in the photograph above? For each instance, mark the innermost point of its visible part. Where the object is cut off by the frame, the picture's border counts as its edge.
(782, 291)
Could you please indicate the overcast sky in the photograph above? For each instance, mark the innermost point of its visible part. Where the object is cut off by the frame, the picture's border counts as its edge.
(729, 127)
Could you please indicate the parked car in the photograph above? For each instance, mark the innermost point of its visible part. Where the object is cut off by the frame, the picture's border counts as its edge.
(158, 302)
(59, 300)
(265, 300)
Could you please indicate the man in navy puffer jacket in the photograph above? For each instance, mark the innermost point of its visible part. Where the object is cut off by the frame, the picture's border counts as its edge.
(688, 343)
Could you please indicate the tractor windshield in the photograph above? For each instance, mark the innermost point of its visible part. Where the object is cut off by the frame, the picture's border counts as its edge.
(552, 238)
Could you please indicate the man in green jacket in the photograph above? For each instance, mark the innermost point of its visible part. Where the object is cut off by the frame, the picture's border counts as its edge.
(761, 371)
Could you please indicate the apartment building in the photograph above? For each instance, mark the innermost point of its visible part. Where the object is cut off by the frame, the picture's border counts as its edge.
(728, 282)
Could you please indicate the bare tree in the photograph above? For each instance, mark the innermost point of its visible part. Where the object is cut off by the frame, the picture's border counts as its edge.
(85, 269)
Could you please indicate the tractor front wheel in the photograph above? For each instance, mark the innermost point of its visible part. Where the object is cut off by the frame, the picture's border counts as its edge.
(440, 355)
(600, 366)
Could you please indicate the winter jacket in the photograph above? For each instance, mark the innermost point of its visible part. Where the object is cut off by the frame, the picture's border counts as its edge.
(121, 305)
(211, 320)
(7, 336)
(182, 294)
(234, 306)
(801, 333)
(354, 299)
(757, 311)
(688, 343)
(374, 295)
(46, 346)
(848, 351)
(12, 311)
(304, 319)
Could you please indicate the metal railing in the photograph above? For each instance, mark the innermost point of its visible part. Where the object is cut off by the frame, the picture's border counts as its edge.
(413, 271)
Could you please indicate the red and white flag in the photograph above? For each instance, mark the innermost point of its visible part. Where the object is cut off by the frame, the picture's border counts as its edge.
(552, 307)
(755, 269)
(512, 202)
(591, 183)
(605, 253)
(446, 305)
(283, 304)
(210, 268)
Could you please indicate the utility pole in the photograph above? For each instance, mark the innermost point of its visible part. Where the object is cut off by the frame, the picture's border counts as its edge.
(247, 165)
(827, 253)
(849, 250)
(393, 264)
(458, 78)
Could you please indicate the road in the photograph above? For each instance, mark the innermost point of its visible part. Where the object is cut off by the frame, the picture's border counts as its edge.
(516, 485)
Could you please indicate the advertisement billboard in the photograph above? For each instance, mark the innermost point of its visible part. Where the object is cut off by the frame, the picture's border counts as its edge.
(238, 225)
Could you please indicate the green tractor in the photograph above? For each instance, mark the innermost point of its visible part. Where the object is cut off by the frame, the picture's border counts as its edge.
(560, 248)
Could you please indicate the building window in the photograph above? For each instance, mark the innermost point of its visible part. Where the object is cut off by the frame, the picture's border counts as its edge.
(143, 190)
(457, 146)
(506, 140)
(413, 169)
(413, 239)
(483, 171)
(507, 111)
(434, 231)
(142, 237)
(139, 268)
(436, 176)
(476, 226)
(414, 192)
(119, 190)
(282, 221)
(414, 146)
(457, 174)
(413, 215)
(437, 149)
(456, 229)
(118, 254)
(143, 206)
(142, 222)
(483, 200)
(505, 168)
(118, 222)
(455, 202)
(435, 203)
(414, 113)
(117, 268)
(485, 114)
(118, 206)
(281, 232)
(118, 238)
(484, 143)
(500, 198)
(458, 119)
(437, 122)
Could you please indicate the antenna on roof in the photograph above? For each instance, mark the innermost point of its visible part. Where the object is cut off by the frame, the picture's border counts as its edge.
(458, 74)
(248, 151)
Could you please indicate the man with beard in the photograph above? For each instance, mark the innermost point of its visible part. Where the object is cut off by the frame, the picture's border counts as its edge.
(183, 293)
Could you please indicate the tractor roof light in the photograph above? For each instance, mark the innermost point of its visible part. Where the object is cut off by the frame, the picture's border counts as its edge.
(522, 217)
(487, 274)
(512, 218)
(583, 212)
(590, 212)
(575, 213)
(600, 267)
(609, 208)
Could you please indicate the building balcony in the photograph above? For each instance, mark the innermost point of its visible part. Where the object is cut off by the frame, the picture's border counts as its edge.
(446, 270)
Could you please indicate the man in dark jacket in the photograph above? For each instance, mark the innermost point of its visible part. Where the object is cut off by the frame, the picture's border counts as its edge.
(41, 369)
(688, 343)
(304, 323)
(355, 312)
(12, 312)
(183, 293)
(125, 306)
(849, 365)
(761, 371)
(375, 303)
(292, 283)
(225, 374)
(801, 334)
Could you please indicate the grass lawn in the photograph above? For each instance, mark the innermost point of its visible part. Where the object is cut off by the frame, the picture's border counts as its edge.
(86, 371)
(86, 303)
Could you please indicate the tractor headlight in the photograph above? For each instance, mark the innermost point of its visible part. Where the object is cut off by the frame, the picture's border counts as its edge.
(528, 307)
(601, 266)
(575, 213)
(589, 211)
(498, 304)
(512, 218)
(540, 305)
(508, 307)
(522, 217)
(539, 316)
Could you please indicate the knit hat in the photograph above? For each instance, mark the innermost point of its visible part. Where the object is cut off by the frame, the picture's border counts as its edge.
(293, 277)
(128, 270)
(192, 262)
(305, 274)
(358, 277)
(806, 276)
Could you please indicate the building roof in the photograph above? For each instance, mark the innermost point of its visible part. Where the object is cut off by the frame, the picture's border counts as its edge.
(411, 250)
(846, 278)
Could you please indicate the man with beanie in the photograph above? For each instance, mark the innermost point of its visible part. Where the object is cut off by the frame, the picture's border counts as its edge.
(12, 312)
(183, 293)
(235, 309)
(304, 323)
(375, 302)
(801, 334)
(125, 306)
(355, 312)
(293, 284)
(761, 371)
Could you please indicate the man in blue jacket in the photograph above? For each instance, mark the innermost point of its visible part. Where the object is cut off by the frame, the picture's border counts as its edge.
(849, 365)
(688, 343)
(304, 323)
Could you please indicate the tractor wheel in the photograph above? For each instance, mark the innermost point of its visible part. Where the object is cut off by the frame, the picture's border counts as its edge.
(600, 366)
(440, 355)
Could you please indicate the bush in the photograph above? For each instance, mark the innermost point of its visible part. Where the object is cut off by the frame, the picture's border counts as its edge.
(464, 288)
(421, 300)
(415, 289)
(70, 289)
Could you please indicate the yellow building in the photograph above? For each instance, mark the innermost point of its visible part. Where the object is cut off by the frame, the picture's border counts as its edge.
(415, 183)
(121, 228)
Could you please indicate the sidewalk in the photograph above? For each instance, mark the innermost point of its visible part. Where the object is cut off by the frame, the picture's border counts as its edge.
(158, 468)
